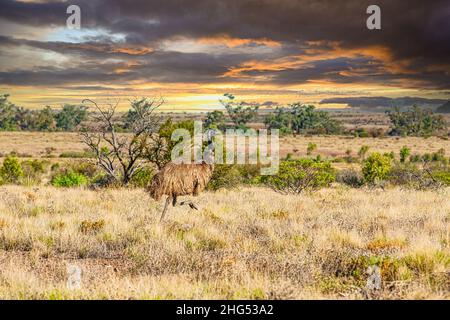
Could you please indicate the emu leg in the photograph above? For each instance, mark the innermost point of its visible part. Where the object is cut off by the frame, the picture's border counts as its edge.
(174, 200)
(165, 208)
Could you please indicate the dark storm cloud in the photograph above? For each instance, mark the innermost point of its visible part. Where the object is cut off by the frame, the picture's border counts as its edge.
(170, 67)
(416, 33)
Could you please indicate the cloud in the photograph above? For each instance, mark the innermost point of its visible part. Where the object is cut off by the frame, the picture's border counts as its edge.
(284, 42)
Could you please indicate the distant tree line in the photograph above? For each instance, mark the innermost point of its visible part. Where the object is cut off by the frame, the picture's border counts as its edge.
(15, 118)
(296, 118)
(416, 122)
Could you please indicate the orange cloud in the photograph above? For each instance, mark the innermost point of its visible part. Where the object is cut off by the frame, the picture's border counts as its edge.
(106, 48)
(230, 42)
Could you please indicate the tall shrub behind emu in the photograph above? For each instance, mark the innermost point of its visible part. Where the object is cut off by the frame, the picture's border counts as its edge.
(297, 176)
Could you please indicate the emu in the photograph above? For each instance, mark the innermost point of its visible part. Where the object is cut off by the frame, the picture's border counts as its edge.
(183, 179)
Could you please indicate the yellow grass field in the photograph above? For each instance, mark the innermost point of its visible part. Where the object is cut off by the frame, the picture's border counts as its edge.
(248, 243)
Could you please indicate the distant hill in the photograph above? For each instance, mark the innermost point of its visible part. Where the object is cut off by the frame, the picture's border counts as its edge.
(385, 103)
(445, 108)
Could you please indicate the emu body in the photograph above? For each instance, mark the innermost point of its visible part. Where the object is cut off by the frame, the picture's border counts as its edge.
(180, 180)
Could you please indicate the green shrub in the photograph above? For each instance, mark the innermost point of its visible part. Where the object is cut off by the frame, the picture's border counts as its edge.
(300, 175)
(87, 169)
(69, 179)
(409, 175)
(231, 176)
(443, 177)
(225, 176)
(142, 178)
(404, 153)
(376, 167)
(11, 170)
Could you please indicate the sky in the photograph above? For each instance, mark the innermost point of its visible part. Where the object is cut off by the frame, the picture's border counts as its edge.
(191, 52)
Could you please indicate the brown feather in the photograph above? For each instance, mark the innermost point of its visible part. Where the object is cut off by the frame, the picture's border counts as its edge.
(180, 180)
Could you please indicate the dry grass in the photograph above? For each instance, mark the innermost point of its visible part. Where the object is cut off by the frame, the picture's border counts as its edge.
(333, 146)
(249, 243)
(34, 144)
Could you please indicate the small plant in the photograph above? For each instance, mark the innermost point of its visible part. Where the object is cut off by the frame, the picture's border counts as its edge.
(414, 158)
(142, 178)
(311, 147)
(404, 153)
(69, 179)
(11, 170)
(363, 151)
(361, 133)
(427, 157)
(439, 155)
(376, 167)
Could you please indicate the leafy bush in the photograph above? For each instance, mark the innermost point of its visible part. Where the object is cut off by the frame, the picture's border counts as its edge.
(409, 176)
(142, 178)
(240, 113)
(69, 179)
(215, 120)
(300, 118)
(87, 169)
(231, 176)
(443, 177)
(159, 152)
(296, 176)
(225, 176)
(306, 119)
(351, 178)
(70, 116)
(281, 120)
(11, 170)
(376, 167)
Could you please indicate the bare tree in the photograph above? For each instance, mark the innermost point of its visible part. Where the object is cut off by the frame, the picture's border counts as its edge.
(121, 155)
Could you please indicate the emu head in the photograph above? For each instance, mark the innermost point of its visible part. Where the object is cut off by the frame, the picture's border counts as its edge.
(209, 151)
(210, 134)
